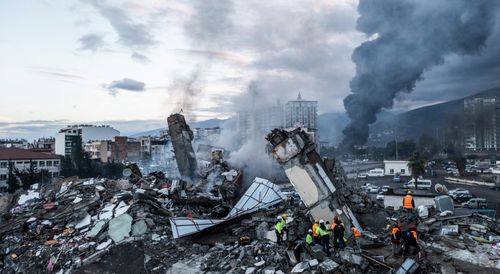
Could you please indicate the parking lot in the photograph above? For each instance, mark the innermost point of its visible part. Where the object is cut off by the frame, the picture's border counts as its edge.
(492, 196)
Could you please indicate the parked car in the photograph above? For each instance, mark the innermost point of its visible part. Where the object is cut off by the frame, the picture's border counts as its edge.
(463, 197)
(476, 203)
(396, 178)
(385, 188)
(455, 192)
(362, 176)
(422, 184)
(374, 189)
(380, 196)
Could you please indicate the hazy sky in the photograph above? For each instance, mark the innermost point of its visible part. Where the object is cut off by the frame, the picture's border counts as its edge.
(132, 63)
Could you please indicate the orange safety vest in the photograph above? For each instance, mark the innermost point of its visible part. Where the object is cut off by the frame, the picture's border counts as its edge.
(414, 233)
(333, 226)
(407, 202)
(315, 225)
(394, 231)
(356, 232)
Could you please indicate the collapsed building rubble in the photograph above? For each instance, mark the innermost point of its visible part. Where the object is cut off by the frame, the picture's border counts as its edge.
(211, 224)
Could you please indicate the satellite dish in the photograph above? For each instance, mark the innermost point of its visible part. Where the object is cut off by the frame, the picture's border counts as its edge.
(439, 188)
(126, 172)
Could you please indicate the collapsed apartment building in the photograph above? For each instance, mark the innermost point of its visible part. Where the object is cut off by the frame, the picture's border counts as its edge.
(208, 222)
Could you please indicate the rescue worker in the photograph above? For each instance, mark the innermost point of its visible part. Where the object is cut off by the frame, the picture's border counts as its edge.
(309, 237)
(411, 241)
(315, 235)
(408, 204)
(356, 233)
(338, 235)
(396, 239)
(278, 228)
(285, 227)
(324, 237)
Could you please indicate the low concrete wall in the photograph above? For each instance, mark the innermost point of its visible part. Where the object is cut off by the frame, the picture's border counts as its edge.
(467, 182)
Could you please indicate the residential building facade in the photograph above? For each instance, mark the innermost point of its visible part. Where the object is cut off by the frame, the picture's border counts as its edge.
(23, 158)
(482, 124)
(396, 167)
(301, 113)
(67, 138)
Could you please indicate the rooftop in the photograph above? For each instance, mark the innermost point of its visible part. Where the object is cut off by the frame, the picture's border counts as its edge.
(25, 154)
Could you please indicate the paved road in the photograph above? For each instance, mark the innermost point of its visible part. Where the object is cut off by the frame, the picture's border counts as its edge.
(492, 196)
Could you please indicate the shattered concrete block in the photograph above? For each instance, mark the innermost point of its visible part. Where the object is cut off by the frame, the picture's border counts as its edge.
(268, 270)
(140, 227)
(260, 263)
(250, 270)
(181, 136)
(119, 227)
(351, 258)
(301, 267)
(96, 229)
(103, 245)
(84, 222)
(182, 268)
(447, 268)
(328, 266)
(313, 263)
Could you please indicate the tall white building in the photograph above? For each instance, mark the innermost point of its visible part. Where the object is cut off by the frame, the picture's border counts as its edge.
(302, 113)
(67, 137)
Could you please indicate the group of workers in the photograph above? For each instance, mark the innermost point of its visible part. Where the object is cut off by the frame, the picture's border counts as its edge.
(321, 232)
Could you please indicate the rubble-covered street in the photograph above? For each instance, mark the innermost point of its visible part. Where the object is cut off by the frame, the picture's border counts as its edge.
(212, 221)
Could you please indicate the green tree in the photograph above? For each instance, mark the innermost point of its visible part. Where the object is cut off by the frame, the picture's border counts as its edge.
(417, 167)
(460, 162)
(12, 180)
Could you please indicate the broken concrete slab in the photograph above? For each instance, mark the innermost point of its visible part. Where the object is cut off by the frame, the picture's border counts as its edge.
(328, 266)
(98, 226)
(139, 228)
(119, 227)
(300, 267)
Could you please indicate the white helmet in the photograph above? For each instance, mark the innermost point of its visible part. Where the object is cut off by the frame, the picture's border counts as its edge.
(279, 218)
(310, 231)
(321, 221)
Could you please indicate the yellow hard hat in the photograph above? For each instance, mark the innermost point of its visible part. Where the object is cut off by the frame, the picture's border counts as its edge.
(284, 215)
(409, 192)
(316, 221)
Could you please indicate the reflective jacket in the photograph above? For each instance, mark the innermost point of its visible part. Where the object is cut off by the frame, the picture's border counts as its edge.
(315, 226)
(322, 232)
(356, 232)
(396, 235)
(408, 202)
(309, 239)
(279, 226)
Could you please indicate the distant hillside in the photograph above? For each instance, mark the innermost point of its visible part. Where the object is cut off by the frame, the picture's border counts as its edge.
(200, 124)
(432, 120)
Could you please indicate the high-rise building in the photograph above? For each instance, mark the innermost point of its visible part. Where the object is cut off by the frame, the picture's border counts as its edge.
(482, 124)
(68, 137)
(257, 122)
(301, 113)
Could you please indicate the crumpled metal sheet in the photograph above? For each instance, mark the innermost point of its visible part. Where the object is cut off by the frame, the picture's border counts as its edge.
(261, 194)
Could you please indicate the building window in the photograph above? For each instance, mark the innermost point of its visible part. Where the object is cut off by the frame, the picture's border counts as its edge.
(55, 174)
(26, 162)
(3, 177)
(41, 163)
(19, 163)
(56, 163)
(49, 163)
(391, 171)
(3, 164)
(403, 171)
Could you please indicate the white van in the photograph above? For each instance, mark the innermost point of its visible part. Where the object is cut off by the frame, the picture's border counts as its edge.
(422, 184)
(376, 172)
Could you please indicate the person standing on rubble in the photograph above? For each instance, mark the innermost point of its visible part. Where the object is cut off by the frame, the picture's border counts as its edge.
(309, 237)
(324, 237)
(396, 239)
(278, 228)
(408, 204)
(338, 234)
(356, 234)
(315, 234)
(411, 241)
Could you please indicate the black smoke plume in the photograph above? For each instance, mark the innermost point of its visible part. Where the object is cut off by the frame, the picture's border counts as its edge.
(407, 38)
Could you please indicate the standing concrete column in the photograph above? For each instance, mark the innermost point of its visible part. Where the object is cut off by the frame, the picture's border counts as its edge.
(182, 136)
